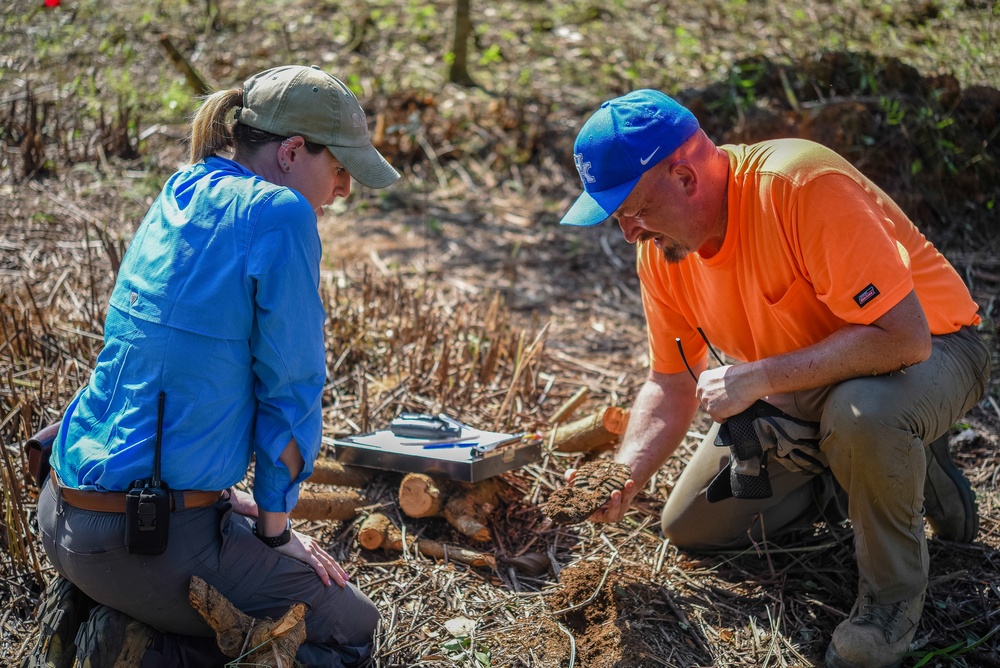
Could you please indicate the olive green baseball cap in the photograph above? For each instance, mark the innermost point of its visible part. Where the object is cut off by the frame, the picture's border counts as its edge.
(306, 101)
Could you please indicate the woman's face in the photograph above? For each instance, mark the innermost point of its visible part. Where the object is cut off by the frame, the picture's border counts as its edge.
(320, 178)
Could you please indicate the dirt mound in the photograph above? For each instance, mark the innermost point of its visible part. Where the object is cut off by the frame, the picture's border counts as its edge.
(604, 606)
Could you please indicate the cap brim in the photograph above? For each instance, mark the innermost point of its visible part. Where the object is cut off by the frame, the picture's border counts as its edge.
(594, 208)
(365, 165)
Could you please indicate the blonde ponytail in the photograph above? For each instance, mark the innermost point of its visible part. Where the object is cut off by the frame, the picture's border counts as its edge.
(209, 131)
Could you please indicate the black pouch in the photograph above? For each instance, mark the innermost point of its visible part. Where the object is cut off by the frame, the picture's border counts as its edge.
(746, 475)
(423, 426)
(147, 518)
(38, 449)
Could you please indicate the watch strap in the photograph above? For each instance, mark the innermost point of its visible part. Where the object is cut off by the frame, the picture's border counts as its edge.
(275, 541)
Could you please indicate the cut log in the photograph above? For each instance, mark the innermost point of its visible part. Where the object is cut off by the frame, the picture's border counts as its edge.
(256, 642)
(466, 506)
(374, 530)
(597, 431)
(338, 504)
(469, 509)
(377, 531)
(420, 496)
(332, 472)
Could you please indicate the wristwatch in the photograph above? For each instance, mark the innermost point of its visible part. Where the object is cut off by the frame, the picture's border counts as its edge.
(275, 541)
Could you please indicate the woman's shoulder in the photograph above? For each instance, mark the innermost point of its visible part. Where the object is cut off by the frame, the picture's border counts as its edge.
(269, 202)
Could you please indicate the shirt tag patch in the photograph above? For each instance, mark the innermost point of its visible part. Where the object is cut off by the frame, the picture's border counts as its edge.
(869, 293)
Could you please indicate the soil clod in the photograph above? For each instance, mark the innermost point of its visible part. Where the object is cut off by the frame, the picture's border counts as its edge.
(591, 489)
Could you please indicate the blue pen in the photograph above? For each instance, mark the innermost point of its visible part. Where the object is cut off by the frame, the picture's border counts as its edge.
(440, 446)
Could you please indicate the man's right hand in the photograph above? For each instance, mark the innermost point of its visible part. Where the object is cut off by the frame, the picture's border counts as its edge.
(617, 505)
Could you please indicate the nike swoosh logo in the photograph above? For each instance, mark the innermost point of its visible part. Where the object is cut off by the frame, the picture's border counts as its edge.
(649, 157)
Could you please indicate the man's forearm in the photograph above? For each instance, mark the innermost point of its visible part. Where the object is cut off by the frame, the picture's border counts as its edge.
(660, 418)
(898, 339)
(271, 523)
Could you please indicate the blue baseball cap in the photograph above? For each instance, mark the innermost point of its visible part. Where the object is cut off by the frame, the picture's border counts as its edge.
(618, 144)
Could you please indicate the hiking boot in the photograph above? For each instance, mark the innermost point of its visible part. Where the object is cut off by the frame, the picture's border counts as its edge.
(874, 635)
(111, 639)
(949, 502)
(62, 610)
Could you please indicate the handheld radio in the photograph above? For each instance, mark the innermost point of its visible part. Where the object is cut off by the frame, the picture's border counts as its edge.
(147, 503)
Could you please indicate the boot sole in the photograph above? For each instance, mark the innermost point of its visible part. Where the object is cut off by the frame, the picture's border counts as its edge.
(834, 660)
(939, 450)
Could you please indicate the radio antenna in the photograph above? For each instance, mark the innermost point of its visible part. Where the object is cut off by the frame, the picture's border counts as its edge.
(159, 438)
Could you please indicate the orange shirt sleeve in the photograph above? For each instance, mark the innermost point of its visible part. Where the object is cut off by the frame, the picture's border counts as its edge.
(849, 249)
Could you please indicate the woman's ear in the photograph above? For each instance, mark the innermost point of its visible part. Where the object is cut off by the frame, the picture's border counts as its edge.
(286, 152)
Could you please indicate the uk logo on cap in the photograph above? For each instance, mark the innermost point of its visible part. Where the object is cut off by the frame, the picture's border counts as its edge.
(583, 168)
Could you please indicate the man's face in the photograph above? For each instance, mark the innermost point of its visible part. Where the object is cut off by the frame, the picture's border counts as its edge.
(657, 210)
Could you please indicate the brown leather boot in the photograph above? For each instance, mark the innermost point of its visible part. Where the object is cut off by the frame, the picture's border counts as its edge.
(874, 635)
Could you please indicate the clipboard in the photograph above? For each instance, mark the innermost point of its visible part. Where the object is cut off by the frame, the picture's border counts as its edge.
(471, 456)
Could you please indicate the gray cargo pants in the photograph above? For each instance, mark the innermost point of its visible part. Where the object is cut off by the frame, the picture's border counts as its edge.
(872, 433)
(217, 545)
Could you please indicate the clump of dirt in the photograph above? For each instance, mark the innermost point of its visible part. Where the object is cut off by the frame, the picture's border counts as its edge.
(602, 605)
(591, 489)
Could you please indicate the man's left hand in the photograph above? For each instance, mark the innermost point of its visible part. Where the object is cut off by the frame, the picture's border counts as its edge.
(308, 550)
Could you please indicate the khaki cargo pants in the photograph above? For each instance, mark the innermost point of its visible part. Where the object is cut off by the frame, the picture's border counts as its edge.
(872, 432)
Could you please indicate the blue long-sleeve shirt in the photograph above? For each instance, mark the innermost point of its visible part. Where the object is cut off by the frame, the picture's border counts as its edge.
(217, 305)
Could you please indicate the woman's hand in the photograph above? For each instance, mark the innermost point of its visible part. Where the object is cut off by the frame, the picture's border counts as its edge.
(307, 550)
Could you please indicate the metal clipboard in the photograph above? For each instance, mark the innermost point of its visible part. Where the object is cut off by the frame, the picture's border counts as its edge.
(470, 457)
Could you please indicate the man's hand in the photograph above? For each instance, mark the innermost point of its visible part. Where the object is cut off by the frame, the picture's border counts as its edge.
(723, 392)
(617, 505)
(307, 550)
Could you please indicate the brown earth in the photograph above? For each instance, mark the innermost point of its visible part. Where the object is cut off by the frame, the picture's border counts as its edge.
(592, 486)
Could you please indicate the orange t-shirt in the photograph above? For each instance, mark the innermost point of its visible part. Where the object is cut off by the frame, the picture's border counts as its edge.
(811, 244)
